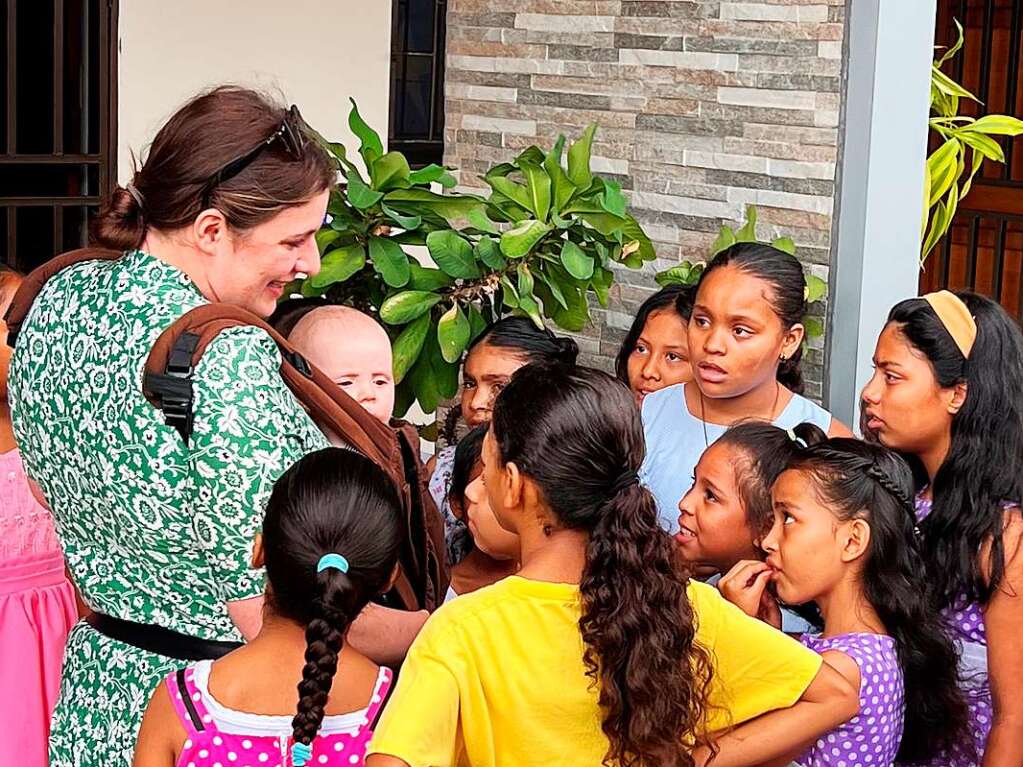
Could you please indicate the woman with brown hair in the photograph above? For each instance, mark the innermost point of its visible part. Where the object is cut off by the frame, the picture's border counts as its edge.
(158, 532)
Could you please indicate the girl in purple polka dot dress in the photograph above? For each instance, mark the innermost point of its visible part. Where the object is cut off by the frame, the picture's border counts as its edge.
(843, 539)
(948, 394)
(329, 544)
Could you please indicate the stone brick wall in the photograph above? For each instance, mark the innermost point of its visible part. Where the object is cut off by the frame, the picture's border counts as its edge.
(703, 106)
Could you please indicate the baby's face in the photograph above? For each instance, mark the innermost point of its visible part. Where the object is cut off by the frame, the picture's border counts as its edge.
(357, 357)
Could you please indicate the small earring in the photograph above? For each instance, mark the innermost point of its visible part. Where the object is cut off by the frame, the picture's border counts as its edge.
(783, 358)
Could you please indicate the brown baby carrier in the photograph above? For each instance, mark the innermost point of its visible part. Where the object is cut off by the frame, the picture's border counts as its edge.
(423, 576)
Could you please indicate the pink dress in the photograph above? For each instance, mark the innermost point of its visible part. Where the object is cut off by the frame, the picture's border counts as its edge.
(222, 736)
(37, 610)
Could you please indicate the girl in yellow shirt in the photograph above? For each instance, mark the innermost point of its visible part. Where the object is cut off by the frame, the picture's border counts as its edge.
(600, 650)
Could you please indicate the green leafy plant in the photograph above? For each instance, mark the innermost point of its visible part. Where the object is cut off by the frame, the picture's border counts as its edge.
(688, 273)
(966, 141)
(543, 239)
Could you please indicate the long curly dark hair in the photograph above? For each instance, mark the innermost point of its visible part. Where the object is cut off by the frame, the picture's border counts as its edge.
(331, 501)
(576, 433)
(984, 467)
(858, 480)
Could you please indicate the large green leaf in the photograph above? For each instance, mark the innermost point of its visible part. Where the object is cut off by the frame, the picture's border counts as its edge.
(601, 284)
(489, 252)
(389, 261)
(479, 219)
(424, 278)
(453, 332)
(748, 232)
(816, 288)
(339, 151)
(360, 195)
(424, 381)
(338, 265)
(408, 344)
(531, 154)
(576, 262)
(813, 326)
(948, 86)
(517, 242)
(503, 209)
(325, 237)
(676, 275)
(527, 303)
(517, 193)
(431, 173)
(538, 183)
(405, 222)
(371, 146)
(445, 374)
(785, 245)
(579, 159)
(408, 305)
(390, 171)
(555, 288)
(577, 315)
(612, 200)
(725, 239)
(453, 254)
(477, 323)
(449, 207)
(561, 188)
(629, 228)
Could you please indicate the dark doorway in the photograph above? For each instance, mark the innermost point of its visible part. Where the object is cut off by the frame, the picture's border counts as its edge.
(418, 28)
(57, 123)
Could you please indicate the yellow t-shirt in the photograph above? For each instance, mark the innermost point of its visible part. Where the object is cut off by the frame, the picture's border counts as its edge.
(496, 679)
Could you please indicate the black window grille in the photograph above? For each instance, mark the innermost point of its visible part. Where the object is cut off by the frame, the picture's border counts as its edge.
(417, 80)
(57, 124)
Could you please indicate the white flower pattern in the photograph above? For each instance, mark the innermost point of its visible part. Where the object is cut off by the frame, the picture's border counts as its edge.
(154, 531)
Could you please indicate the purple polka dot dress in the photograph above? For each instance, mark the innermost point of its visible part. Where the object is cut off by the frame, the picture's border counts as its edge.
(965, 623)
(872, 737)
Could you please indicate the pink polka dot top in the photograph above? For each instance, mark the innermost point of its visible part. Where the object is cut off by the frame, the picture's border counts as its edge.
(221, 737)
(872, 737)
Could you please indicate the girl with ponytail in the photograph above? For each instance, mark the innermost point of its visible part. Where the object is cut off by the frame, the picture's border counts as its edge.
(600, 651)
(745, 342)
(843, 538)
(329, 544)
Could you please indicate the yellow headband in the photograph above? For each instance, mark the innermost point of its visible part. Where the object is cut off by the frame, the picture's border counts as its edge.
(955, 317)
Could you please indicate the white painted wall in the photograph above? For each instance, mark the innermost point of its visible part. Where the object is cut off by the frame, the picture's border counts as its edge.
(314, 53)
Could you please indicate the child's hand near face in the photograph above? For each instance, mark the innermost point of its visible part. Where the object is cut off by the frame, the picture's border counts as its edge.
(745, 586)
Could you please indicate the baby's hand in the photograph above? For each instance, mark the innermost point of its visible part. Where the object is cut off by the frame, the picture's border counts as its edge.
(745, 586)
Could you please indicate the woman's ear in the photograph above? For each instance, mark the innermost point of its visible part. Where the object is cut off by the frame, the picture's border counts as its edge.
(959, 393)
(791, 340)
(209, 230)
(857, 540)
(258, 555)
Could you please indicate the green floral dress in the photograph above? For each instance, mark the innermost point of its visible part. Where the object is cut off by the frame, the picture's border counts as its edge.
(154, 531)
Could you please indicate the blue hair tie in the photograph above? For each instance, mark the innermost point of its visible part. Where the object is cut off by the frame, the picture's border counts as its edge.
(336, 561)
(300, 754)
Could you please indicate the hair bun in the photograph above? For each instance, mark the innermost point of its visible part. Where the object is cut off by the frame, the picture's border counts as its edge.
(568, 349)
(810, 433)
(120, 225)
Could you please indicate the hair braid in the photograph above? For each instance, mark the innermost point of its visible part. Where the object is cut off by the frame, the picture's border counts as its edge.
(321, 656)
(879, 475)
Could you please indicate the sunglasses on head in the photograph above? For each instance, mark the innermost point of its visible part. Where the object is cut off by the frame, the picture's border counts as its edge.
(292, 136)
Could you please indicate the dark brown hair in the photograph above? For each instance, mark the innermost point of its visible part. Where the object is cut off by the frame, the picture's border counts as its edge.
(576, 433)
(202, 137)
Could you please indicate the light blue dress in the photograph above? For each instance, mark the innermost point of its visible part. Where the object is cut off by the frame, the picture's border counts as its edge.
(675, 442)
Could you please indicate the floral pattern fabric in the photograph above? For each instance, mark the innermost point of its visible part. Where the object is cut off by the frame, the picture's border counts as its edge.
(154, 530)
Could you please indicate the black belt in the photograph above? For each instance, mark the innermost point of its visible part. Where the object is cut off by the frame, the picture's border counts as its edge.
(160, 640)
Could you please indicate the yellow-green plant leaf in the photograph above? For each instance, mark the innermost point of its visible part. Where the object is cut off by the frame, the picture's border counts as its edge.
(942, 166)
(407, 223)
(575, 261)
(428, 175)
(579, 159)
(489, 252)
(986, 145)
(948, 86)
(479, 220)
(813, 326)
(371, 146)
(424, 278)
(389, 261)
(725, 240)
(960, 38)
(325, 237)
(338, 265)
(517, 242)
(601, 284)
(390, 171)
(450, 208)
(408, 305)
(816, 288)
(995, 125)
(477, 324)
(612, 200)
(538, 184)
(453, 333)
(453, 254)
(940, 221)
(408, 344)
(978, 160)
(676, 275)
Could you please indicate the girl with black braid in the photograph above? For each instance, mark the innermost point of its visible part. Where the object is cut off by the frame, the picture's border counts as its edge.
(600, 651)
(843, 538)
(329, 544)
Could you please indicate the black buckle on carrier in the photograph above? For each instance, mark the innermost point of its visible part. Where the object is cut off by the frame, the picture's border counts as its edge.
(173, 388)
